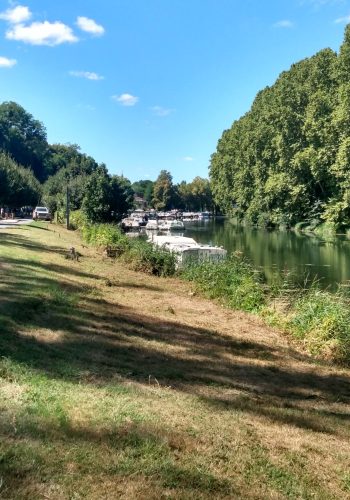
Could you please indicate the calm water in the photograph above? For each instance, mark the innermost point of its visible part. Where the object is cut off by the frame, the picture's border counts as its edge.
(281, 251)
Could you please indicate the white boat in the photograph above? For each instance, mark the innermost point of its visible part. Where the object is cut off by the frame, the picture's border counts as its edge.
(188, 250)
(131, 223)
(135, 220)
(171, 225)
(203, 215)
(152, 224)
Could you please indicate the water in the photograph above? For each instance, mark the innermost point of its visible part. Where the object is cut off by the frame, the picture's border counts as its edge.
(280, 251)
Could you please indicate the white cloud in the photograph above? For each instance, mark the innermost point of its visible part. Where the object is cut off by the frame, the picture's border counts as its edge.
(44, 33)
(345, 19)
(125, 99)
(284, 23)
(16, 15)
(86, 74)
(90, 26)
(7, 63)
(160, 111)
(188, 158)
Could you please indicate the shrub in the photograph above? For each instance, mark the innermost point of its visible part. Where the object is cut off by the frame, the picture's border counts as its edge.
(77, 219)
(322, 320)
(142, 256)
(234, 281)
(103, 235)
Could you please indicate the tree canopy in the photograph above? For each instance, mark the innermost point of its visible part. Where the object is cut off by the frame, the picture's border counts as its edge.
(18, 186)
(23, 138)
(290, 154)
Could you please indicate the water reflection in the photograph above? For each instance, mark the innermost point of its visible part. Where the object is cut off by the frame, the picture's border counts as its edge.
(281, 251)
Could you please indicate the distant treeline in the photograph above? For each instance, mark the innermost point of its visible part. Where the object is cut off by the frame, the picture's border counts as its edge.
(288, 158)
(32, 171)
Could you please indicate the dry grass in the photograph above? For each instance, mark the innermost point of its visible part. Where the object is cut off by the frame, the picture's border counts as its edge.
(116, 384)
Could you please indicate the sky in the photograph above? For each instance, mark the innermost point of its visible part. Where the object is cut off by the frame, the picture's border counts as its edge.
(146, 85)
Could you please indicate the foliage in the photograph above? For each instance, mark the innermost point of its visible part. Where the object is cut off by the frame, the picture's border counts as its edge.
(144, 189)
(291, 151)
(163, 191)
(77, 220)
(233, 281)
(143, 256)
(55, 190)
(122, 195)
(69, 156)
(23, 138)
(322, 320)
(139, 254)
(102, 235)
(195, 195)
(106, 198)
(18, 186)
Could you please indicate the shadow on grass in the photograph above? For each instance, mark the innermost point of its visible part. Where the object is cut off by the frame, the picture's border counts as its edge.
(128, 450)
(19, 240)
(62, 329)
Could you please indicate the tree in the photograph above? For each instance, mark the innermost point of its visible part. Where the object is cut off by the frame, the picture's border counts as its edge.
(106, 198)
(122, 195)
(18, 186)
(144, 189)
(69, 156)
(163, 191)
(70, 168)
(23, 138)
(97, 199)
(290, 151)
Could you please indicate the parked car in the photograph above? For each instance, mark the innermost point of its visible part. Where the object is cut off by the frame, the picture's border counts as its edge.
(41, 213)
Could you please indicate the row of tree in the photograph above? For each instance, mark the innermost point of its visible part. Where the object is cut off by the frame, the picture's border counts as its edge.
(33, 171)
(288, 158)
(163, 194)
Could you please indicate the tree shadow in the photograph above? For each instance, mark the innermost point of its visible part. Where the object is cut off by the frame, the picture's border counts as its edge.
(139, 447)
(15, 240)
(64, 331)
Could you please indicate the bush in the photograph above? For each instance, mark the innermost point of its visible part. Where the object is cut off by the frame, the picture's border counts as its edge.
(322, 320)
(103, 235)
(77, 219)
(234, 281)
(142, 256)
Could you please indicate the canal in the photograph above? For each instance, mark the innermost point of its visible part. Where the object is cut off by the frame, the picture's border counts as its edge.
(306, 257)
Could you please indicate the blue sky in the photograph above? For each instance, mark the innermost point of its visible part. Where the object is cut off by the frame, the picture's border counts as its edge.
(145, 85)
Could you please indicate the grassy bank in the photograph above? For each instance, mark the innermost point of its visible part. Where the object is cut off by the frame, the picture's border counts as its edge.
(111, 380)
(318, 319)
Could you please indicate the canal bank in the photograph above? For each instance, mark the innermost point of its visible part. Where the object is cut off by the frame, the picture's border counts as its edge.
(111, 379)
(301, 256)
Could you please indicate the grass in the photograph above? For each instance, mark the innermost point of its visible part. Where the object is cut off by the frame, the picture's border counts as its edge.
(116, 384)
(233, 281)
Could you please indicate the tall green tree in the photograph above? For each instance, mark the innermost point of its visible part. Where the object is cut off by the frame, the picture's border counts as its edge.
(144, 189)
(23, 138)
(289, 154)
(163, 191)
(106, 198)
(18, 186)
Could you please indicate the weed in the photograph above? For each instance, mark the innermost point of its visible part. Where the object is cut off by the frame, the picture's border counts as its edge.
(234, 281)
(142, 256)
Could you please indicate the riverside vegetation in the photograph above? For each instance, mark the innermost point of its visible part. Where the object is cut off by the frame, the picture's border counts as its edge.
(111, 379)
(318, 318)
(287, 159)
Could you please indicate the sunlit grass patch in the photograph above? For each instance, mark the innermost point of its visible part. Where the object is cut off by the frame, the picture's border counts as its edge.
(117, 384)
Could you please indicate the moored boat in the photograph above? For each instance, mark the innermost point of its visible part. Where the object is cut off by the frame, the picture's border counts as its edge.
(171, 225)
(187, 250)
